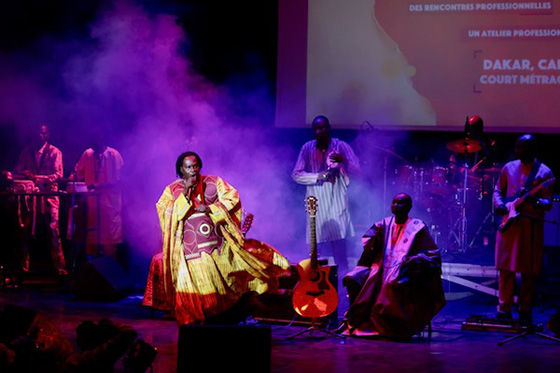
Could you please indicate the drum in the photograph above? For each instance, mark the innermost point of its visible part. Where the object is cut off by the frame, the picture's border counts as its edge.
(487, 185)
(404, 176)
(472, 195)
(440, 181)
(23, 186)
(411, 180)
(76, 187)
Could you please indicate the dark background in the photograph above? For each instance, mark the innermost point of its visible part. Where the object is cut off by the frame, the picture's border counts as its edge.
(228, 43)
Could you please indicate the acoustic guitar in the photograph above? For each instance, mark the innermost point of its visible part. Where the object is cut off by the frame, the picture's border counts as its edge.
(513, 204)
(314, 295)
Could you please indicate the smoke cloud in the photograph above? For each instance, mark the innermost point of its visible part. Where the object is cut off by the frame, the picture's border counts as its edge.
(128, 80)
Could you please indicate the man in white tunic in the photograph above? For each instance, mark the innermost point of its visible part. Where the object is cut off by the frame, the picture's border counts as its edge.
(324, 165)
(100, 167)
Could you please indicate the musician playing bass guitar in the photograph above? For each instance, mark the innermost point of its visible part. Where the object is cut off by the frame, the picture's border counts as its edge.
(523, 193)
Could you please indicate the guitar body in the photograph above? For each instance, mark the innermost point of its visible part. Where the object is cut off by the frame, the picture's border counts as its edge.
(510, 216)
(513, 206)
(314, 295)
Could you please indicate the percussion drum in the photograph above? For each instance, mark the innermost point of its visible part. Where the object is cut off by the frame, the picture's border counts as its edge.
(76, 187)
(411, 180)
(404, 175)
(473, 194)
(421, 178)
(23, 186)
(440, 181)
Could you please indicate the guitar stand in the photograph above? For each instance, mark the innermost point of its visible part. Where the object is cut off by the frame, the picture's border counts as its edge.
(313, 328)
(531, 330)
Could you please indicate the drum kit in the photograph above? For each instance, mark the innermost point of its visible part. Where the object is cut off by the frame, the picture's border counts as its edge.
(454, 200)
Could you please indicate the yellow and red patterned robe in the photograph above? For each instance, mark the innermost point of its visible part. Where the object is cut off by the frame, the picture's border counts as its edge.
(207, 278)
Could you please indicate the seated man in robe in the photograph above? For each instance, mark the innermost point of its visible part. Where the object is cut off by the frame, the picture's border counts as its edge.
(207, 271)
(395, 290)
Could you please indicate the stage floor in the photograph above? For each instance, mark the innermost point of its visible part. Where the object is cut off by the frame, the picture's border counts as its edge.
(450, 349)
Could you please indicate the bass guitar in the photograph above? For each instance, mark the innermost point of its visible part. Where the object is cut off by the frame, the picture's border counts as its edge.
(515, 203)
(314, 295)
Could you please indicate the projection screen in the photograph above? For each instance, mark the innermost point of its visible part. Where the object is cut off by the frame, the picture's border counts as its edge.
(419, 64)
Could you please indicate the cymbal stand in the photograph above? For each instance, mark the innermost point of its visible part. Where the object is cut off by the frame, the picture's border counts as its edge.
(490, 215)
(461, 224)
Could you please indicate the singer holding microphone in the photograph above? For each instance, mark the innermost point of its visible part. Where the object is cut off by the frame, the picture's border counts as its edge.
(323, 166)
(208, 275)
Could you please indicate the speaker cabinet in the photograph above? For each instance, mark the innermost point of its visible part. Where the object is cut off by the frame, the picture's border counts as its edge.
(224, 348)
(101, 279)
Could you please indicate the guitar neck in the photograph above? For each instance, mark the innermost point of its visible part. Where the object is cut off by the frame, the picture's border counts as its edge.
(531, 192)
(313, 241)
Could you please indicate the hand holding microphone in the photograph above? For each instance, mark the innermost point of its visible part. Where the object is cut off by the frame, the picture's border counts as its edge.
(190, 183)
(324, 175)
(336, 157)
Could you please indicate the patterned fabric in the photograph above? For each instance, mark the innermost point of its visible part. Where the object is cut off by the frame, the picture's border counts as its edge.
(401, 288)
(520, 248)
(154, 294)
(210, 283)
(103, 171)
(333, 218)
(201, 236)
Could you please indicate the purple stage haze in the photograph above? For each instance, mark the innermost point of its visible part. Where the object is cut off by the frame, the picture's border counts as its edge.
(129, 79)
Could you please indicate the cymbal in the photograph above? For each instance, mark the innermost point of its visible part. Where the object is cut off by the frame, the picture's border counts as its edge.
(389, 151)
(492, 170)
(464, 146)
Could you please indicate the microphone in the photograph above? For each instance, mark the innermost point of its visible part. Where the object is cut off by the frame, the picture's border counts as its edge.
(189, 193)
(192, 186)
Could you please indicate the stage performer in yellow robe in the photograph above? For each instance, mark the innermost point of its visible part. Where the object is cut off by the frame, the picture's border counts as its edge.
(206, 269)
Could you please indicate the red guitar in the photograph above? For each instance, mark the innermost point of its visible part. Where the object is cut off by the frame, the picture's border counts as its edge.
(513, 205)
(314, 296)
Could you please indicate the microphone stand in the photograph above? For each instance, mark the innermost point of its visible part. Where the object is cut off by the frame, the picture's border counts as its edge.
(530, 329)
(463, 228)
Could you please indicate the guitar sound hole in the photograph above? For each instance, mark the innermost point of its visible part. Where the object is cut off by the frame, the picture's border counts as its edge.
(314, 276)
